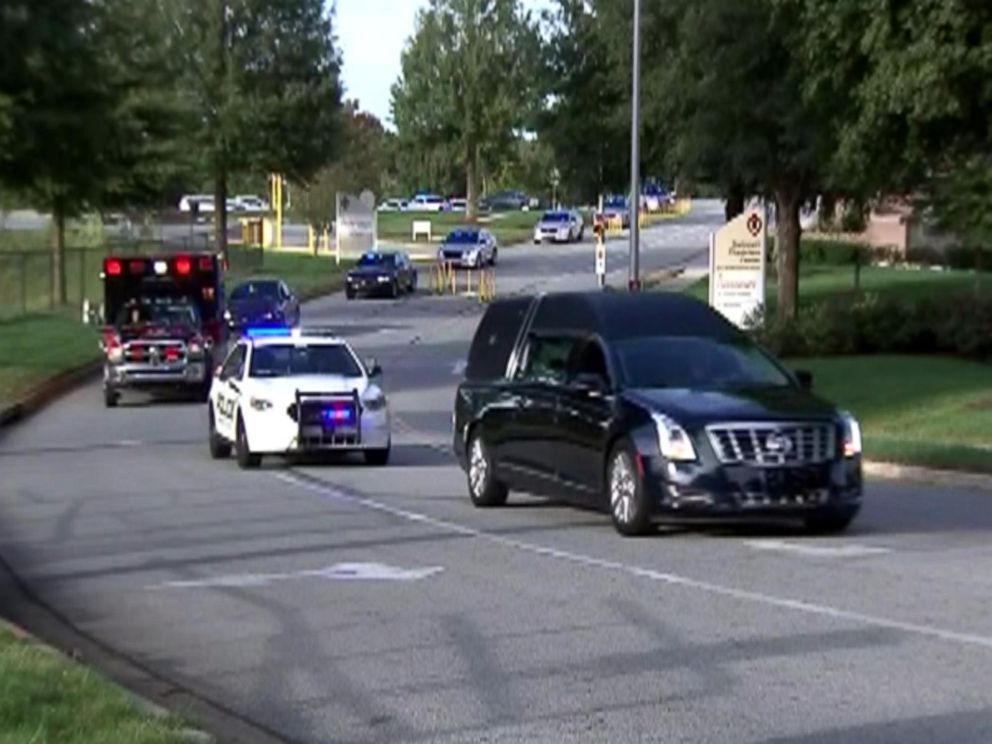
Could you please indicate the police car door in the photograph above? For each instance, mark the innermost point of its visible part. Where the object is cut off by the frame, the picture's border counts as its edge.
(228, 392)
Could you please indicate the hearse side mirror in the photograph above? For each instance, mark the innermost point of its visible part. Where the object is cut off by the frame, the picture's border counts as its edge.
(805, 379)
(592, 385)
(373, 367)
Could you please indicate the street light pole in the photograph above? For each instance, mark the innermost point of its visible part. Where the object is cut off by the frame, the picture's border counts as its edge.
(635, 157)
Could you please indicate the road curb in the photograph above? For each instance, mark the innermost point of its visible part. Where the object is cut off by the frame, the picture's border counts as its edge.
(142, 704)
(915, 473)
(52, 388)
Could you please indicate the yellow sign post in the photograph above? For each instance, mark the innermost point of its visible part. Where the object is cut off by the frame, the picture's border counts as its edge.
(275, 194)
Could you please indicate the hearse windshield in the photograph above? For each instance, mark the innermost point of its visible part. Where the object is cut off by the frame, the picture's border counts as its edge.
(694, 362)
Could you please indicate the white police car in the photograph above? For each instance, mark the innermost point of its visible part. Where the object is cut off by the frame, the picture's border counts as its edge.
(283, 391)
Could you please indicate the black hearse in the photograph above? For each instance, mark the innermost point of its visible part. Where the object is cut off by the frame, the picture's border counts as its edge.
(652, 406)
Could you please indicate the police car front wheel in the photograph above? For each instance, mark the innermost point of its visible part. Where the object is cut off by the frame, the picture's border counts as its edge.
(220, 448)
(246, 458)
(377, 457)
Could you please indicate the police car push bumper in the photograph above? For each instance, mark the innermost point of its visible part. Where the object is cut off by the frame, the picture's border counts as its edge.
(271, 427)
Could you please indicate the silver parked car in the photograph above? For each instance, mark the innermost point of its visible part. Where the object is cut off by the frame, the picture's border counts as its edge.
(469, 248)
(561, 226)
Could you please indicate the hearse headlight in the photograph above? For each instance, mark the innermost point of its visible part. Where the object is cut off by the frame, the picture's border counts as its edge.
(673, 440)
(851, 429)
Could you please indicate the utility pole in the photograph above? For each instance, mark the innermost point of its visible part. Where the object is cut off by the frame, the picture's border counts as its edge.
(635, 157)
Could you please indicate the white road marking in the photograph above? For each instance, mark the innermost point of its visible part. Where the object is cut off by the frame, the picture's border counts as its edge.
(458, 368)
(845, 550)
(743, 595)
(337, 572)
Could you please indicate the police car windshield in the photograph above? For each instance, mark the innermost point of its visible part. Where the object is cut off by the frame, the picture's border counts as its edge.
(253, 290)
(555, 217)
(290, 360)
(161, 312)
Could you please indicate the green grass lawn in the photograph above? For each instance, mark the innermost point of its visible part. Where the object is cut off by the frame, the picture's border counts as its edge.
(820, 281)
(46, 699)
(308, 276)
(930, 411)
(34, 348)
(508, 227)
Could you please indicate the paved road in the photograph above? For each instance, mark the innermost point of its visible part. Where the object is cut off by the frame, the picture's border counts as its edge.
(343, 604)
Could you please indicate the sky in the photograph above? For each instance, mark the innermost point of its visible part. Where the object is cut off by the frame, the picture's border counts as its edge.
(371, 35)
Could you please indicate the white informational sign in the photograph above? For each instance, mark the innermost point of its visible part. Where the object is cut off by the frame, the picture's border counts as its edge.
(737, 266)
(355, 224)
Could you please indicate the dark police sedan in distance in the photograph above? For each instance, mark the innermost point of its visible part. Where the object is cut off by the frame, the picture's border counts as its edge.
(381, 273)
(262, 302)
(652, 406)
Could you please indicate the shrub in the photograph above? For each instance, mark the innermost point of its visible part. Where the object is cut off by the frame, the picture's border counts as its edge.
(959, 326)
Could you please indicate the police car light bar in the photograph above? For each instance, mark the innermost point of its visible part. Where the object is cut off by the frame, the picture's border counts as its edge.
(266, 332)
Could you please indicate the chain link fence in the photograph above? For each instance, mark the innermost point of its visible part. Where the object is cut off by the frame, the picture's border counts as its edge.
(26, 275)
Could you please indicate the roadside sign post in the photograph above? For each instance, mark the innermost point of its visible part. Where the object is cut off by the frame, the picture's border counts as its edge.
(600, 261)
(635, 156)
(738, 254)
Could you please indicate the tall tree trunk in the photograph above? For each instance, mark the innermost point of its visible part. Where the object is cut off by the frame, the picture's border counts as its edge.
(735, 202)
(979, 268)
(470, 183)
(220, 214)
(788, 232)
(59, 296)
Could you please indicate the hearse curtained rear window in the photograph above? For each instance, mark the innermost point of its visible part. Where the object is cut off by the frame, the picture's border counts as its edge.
(495, 338)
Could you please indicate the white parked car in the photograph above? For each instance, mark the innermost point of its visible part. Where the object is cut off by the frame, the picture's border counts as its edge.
(458, 205)
(250, 203)
(559, 226)
(394, 205)
(427, 203)
(197, 203)
(283, 391)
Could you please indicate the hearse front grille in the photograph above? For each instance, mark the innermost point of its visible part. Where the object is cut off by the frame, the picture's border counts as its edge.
(772, 444)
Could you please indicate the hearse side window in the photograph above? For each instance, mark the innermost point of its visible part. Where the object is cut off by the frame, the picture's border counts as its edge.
(546, 360)
(587, 359)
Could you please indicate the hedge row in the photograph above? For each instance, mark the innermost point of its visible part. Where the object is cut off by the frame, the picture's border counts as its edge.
(956, 325)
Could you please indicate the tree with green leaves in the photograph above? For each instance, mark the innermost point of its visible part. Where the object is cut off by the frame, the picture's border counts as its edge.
(583, 120)
(732, 99)
(467, 83)
(364, 164)
(262, 80)
(82, 120)
(913, 102)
